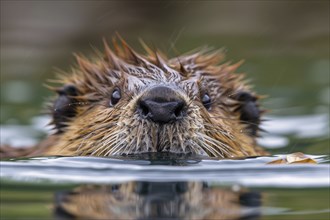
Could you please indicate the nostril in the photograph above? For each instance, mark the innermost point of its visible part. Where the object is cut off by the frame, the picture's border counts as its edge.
(179, 109)
(161, 105)
(144, 108)
(161, 112)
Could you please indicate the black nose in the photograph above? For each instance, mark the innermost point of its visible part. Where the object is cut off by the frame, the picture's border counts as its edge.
(162, 105)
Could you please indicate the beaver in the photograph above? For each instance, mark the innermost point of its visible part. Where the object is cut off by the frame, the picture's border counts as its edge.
(123, 102)
(157, 200)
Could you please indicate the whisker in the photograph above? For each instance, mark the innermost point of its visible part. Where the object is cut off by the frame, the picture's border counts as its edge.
(116, 148)
(107, 141)
(70, 104)
(209, 148)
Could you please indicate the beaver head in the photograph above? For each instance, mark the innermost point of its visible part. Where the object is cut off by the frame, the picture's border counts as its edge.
(125, 103)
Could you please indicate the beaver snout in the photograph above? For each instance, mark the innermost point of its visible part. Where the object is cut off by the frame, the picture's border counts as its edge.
(161, 104)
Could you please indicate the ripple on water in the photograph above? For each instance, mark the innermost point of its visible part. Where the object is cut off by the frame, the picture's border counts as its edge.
(247, 172)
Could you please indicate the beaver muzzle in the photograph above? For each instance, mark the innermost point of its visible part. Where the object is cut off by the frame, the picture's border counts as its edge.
(162, 105)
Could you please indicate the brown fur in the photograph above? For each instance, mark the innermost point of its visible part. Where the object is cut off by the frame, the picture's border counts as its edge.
(100, 129)
(196, 202)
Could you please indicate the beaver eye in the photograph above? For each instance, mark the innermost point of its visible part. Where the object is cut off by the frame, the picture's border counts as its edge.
(115, 97)
(206, 100)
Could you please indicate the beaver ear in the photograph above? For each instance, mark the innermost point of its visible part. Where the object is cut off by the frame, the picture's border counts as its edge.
(249, 111)
(63, 107)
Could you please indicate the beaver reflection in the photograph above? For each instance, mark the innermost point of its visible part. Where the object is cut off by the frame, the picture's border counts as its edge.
(157, 200)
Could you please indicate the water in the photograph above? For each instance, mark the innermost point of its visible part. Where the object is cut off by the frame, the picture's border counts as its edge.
(93, 170)
(167, 186)
(164, 186)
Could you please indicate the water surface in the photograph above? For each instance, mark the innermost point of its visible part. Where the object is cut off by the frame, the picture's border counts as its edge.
(163, 186)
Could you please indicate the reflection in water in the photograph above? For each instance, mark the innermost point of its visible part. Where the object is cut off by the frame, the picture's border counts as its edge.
(157, 200)
(162, 187)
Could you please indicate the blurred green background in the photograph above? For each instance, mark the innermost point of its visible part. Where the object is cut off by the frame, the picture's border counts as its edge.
(285, 45)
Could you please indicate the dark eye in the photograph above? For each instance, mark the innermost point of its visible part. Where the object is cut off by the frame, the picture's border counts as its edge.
(115, 97)
(206, 100)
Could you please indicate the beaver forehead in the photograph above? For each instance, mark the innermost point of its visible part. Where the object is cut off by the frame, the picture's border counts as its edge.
(138, 79)
(137, 84)
(193, 74)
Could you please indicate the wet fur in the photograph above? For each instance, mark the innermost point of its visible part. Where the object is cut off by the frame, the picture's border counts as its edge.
(86, 124)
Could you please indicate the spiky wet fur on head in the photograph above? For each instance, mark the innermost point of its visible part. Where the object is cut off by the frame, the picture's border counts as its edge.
(101, 129)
